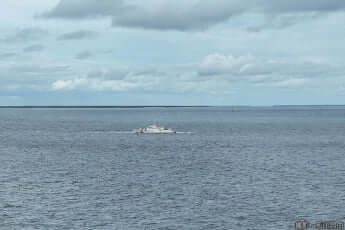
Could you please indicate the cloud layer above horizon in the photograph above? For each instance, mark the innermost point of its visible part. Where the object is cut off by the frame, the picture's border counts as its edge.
(194, 15)
(158, 51)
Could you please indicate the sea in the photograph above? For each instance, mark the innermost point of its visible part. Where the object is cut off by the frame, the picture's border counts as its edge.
(247, 168)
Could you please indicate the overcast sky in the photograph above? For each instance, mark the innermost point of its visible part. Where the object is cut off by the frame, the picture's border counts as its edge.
(163, 52)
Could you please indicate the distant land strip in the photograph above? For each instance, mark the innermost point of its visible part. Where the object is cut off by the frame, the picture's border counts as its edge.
(98, 107)
(308, 105)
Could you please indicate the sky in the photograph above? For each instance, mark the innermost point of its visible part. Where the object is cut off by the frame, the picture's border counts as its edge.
(163, 52)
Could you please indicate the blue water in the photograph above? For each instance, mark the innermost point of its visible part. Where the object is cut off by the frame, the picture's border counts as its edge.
(242, 168)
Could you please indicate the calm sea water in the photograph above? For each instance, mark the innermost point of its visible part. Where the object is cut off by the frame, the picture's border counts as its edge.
(242, 168)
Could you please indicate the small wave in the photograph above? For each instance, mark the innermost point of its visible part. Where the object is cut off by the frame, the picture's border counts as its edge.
(8, 205)
(184, 132)
(122, 132)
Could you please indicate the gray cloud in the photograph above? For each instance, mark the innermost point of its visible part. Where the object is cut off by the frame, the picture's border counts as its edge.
(282, 21)
(33, 48)
(78, 35)
(8, 55)
(32, 74)
(30, 77)
(166, 16)
(179, 15)
(123, 73)
(84, 55)
(77, 9)
(37, 69)
(24, 35)
(283, 6)
(172, 16)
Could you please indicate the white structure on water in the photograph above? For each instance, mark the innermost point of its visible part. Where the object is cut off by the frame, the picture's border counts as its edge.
(154, 129)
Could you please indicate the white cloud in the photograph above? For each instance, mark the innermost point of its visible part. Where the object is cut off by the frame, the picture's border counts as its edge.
(217, 64)
(215, 72)
(97, 84)
(68, 84)
(295, 82)
(289, 72)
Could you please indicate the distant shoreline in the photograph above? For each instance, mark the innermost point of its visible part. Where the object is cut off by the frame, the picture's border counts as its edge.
(163, 106)
(97, 107)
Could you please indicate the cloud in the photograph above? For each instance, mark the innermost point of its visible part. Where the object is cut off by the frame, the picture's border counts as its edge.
(110, 74)
(192, 15)
(31, 73)
(78, 35)
(281, 21)
(167, 15)
(266, 71)
(94, 84)
(218, 64)
(160, 15)
(68, 84)
(8, 55)
(214, 72)
(294, 82)
(84, 55)
(114, 79)
(128, 74)
(33, 48)
(31, 76)
(36, 69)
(283, 6)
(79, 9)
(25, 35)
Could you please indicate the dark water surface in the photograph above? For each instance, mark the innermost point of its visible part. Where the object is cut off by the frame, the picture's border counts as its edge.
(242, 168)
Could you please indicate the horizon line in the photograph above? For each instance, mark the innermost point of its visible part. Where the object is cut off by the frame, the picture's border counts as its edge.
(149, 106)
